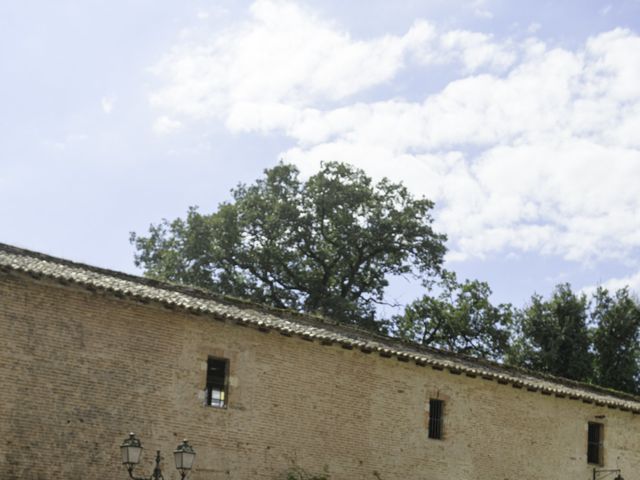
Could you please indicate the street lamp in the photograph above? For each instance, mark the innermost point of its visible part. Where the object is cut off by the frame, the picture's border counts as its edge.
(131, 449)
(600, 473)
(184, 457)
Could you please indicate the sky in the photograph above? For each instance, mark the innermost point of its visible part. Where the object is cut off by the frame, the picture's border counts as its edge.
(521, 120)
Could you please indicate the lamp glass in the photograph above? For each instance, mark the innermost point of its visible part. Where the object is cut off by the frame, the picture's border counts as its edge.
(130, 454)
(184, 456)
(131, 449)
(184, 460)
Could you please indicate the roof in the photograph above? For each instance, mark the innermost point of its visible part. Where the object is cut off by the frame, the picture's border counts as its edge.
(308, 327)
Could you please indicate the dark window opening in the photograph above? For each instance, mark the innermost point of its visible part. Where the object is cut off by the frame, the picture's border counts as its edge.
(435, 418)
(594, 443)
(216, 389)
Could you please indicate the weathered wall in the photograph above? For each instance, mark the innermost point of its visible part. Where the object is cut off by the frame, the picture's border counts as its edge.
(79, 369)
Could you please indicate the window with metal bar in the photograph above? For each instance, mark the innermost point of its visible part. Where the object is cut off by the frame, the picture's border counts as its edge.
(435, 418)
(216, 388)
(594, 443)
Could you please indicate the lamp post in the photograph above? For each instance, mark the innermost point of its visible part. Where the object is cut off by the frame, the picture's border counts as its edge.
(131, 450)
(600, 473)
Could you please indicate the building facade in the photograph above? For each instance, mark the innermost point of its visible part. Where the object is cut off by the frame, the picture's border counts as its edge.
(87, 355)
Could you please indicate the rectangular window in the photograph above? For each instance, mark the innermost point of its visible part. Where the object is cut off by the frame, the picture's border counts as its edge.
(216, 389)
(594, 443)
(435, 418)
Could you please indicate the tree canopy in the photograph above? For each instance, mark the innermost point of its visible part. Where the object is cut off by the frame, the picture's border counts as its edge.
(554, 337)
(459, 318)
(325, 245)
(616, 338)
(330, 243)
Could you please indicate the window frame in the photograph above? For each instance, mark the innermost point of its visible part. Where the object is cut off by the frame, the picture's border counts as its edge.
(599, 444)
(210, 385)
(436, 419)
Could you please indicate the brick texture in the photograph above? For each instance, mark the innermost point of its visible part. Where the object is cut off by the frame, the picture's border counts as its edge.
(80, 369)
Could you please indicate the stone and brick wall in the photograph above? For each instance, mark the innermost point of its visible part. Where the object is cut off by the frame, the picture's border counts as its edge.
(79, 369)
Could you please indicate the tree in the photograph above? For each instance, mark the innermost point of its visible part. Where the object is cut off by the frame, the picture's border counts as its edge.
(553, 336)
(615, 340)
(325, 245)
(461, 318)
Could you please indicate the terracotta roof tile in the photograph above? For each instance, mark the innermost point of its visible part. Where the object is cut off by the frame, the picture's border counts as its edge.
(305, 326)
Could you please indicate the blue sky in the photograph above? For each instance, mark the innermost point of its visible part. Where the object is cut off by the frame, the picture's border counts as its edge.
(520, 119)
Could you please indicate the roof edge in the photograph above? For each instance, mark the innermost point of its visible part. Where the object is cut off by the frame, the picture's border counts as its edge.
(311, 327)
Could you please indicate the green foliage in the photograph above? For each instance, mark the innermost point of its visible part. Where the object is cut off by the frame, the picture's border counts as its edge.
(569, 336)
(461, 318)
(615, 340)
(326, 245)
(329, 244)
(553, 336)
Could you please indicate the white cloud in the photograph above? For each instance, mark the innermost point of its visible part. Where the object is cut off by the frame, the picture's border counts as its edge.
(558, 163)
(528, 148)
(211, 12)
(534, 27)
(613, 284)
(108, 103)
(605, 10)
(480, 9)
(285, 58)
(472, 50)
(165, 125)
(69, 141)
(282, 56)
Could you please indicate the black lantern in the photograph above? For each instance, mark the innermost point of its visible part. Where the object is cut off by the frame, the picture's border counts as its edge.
(131, 449)
(184, 457)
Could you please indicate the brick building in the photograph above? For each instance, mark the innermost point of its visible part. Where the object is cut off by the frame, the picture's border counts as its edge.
(87, 355)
